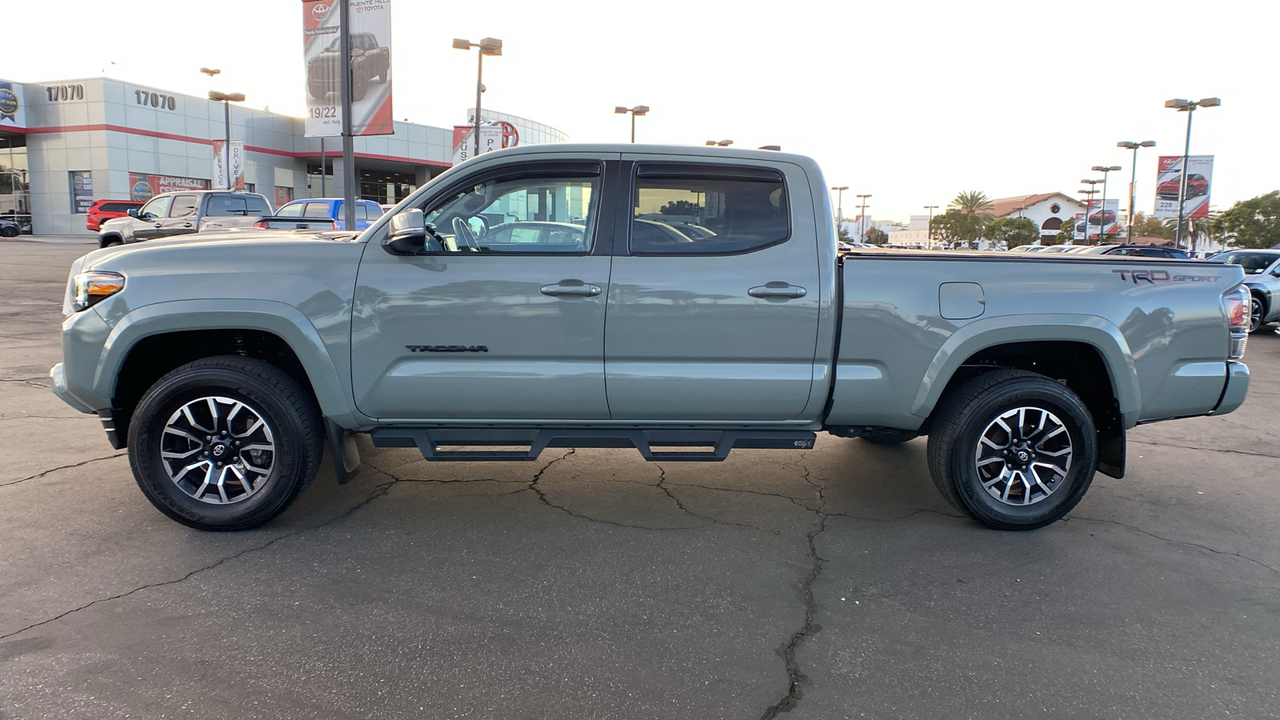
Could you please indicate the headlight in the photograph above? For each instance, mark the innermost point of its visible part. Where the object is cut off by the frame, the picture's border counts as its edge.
(90, 288)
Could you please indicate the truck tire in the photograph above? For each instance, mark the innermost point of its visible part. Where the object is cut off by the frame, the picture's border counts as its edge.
(1013, 450)
(359, 85)
(225, 443)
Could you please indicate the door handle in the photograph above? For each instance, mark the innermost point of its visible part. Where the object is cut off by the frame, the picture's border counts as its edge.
(186, 225)
(777, 290)
(159, 225)
(571, 288)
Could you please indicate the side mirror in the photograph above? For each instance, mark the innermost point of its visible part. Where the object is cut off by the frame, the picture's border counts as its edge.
(133, 212)
(408, 234)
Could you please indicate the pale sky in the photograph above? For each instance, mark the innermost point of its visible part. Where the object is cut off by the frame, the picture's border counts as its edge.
(912, 101)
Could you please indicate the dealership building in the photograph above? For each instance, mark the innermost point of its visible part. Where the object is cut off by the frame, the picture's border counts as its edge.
(68, 143)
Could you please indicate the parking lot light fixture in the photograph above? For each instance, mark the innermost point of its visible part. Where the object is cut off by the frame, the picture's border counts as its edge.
(720, 143)
(488, 46)
(1090, 192)
(226, 99)
(1102, 209)
(930, 208)
(1189, 107)
(637, 110)
(1133, 176)
(840, 204)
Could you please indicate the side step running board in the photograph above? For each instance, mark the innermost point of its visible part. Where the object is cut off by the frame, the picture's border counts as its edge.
(430, 441)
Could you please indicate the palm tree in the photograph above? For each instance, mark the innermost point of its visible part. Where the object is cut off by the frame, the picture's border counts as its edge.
(973, 202)
(975, 206)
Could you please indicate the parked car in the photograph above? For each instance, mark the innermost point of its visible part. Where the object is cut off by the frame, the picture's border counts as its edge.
(227, 368)
(368, 61)
(332, 208)
(1262, 278)
(1197, 185)
(1152, 251)
(102, 210)
(9, 228)
(184, 212)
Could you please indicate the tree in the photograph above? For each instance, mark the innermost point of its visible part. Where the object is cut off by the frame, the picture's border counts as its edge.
(876, 236)
(679, 207)
(1146, 226)
(843, 234)
(1012, 231)
(975, 208)
(955, 226)
(1067, 233)
(1253, 223)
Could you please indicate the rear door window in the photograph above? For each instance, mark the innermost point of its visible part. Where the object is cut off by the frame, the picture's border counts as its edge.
(184, 205)
(317, 210)
(291, 210)
(688, 209)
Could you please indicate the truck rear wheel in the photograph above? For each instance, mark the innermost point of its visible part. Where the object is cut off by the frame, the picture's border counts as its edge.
(225, 443)
(1013, 450)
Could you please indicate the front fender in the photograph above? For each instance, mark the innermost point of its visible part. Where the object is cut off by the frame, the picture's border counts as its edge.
(285, 321)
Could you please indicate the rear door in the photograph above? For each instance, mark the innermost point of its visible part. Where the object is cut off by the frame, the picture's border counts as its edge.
(476, 328)
(714, 299)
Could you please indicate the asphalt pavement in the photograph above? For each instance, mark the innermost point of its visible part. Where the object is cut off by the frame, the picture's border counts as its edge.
(833, 583)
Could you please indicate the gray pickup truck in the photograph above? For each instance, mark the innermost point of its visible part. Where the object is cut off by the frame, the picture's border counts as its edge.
(183, 213)
(677, 300)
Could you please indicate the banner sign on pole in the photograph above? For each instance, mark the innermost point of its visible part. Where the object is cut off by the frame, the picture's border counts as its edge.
(493, 136)
(1199, 177)
(1099, 220)
(370, 67)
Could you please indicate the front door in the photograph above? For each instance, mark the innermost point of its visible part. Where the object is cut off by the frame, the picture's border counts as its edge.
(488, 323)
(714, 306)
(148, 224)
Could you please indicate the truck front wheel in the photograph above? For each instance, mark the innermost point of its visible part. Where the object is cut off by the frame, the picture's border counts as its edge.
(225, 443)
(1013, 450)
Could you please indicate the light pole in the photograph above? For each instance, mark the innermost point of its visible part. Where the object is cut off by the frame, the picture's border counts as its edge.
(1133, 177)
(1104, 169)
(637, 110)
(1189, 107)
(866, 228)
(1090, 192)
(930, 208)
(840, 204)
(226, 99)
(488, 46)
(717, 143)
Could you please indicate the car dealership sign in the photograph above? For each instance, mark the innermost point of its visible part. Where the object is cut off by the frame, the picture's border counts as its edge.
(370, 33)
(1195, 203)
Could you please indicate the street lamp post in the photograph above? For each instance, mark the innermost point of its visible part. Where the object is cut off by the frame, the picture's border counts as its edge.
(1189, 107)
(637, 110)
(930, 208)
(488, 46)
(226, 99)
(1102, 212)
(1133, 176)
(840, 204)
(866, 229)
(1090, 192)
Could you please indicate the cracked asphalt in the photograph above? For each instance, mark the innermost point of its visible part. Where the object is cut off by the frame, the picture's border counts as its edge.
(832, 583)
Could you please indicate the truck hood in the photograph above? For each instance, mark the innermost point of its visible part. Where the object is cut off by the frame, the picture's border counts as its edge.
(235, 242)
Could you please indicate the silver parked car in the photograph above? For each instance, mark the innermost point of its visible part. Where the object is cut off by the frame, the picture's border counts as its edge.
(1262, 277)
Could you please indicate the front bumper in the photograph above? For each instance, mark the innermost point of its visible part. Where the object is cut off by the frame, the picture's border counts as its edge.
(59, 378)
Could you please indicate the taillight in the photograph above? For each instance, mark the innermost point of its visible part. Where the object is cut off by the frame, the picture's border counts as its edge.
(334, 224)
(261, 224)
(1238, 305)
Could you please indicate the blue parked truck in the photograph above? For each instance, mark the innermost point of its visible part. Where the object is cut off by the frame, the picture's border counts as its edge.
(677, 300)
(333, 209)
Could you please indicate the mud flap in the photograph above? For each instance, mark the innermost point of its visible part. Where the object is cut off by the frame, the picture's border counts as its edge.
(346, 456)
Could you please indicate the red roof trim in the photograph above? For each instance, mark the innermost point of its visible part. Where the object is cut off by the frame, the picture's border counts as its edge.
(203, 141)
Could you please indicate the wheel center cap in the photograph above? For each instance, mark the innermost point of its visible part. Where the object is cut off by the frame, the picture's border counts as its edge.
(1023, 456)
(220, 450)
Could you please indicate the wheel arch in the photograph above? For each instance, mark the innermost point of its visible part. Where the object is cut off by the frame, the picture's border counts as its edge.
(1091, 359)
(151, 341)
